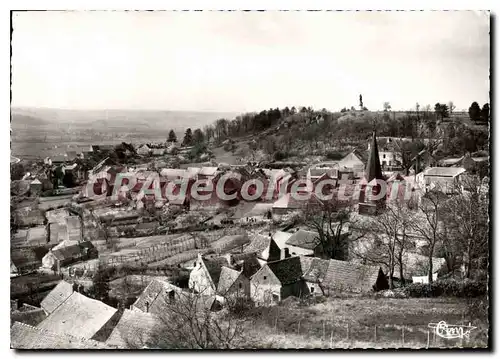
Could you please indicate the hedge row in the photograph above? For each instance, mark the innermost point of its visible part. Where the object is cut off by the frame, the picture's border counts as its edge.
(449, 287)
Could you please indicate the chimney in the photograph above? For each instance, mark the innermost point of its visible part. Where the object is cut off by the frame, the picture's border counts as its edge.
(147, 307)
(285, 253)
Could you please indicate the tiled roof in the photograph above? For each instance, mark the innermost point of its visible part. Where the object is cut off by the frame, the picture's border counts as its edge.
(72, 251)
(305, 263)
(350, 276)
(31, 317)
(227, 278)
(304, 239)
(135, 330)
(287, 270)
(257, 244)
(27, 257)
(317, 270)
(444, 171)
(214, 267)
(57, 296)
(24, 336)
(152, 299)
(281, 237)
(78, 316)
(251, 266)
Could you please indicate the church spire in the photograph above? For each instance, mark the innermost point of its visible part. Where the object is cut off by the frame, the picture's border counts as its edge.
(373, 168)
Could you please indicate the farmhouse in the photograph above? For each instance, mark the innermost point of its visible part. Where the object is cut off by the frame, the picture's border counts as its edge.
(277, 280)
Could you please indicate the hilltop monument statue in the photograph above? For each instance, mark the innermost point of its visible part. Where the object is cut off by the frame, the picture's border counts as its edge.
(361, 102)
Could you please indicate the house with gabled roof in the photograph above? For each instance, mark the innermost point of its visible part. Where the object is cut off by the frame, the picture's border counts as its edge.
(55, 259)
(156, 296)
(204, 278)
(264, 247)
(277, 280)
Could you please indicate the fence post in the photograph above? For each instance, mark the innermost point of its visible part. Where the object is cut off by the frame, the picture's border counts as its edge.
(323, 338)
(348, 331)
(298, 328)
(331, 338)
(403, 334)
(375, 333)
(428, 338)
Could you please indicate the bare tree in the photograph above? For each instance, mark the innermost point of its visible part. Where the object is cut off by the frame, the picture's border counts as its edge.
(387, 106)
(428, 222)
(389, 238)
(466, 222)
(188, 321)
(331, 222)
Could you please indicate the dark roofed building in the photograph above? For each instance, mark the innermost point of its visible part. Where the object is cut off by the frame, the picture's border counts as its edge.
(354, 277)
(28, 259)
(278, 280)
(64, 256)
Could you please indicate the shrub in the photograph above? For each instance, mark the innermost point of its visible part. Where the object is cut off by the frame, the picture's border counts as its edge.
(453, 288)
(280, 155)
(334, 155)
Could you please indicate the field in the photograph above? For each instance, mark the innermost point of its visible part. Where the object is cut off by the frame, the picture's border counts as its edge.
(363, 322)
(35, 132)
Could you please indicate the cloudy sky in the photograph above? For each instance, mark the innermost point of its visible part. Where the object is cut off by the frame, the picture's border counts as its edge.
(247, 61)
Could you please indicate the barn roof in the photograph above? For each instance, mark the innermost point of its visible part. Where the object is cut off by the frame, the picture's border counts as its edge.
(134, 330)
(287, 270)
(79, 316)
(57, 296)
(350, 276)
(24, 336)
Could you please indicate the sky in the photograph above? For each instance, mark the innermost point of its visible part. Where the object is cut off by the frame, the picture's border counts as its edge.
(249, 61)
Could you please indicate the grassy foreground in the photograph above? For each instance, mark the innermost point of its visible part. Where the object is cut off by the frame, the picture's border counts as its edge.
(362, 323)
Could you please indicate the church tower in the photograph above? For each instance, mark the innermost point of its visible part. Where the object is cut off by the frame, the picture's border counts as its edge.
(369, 187)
